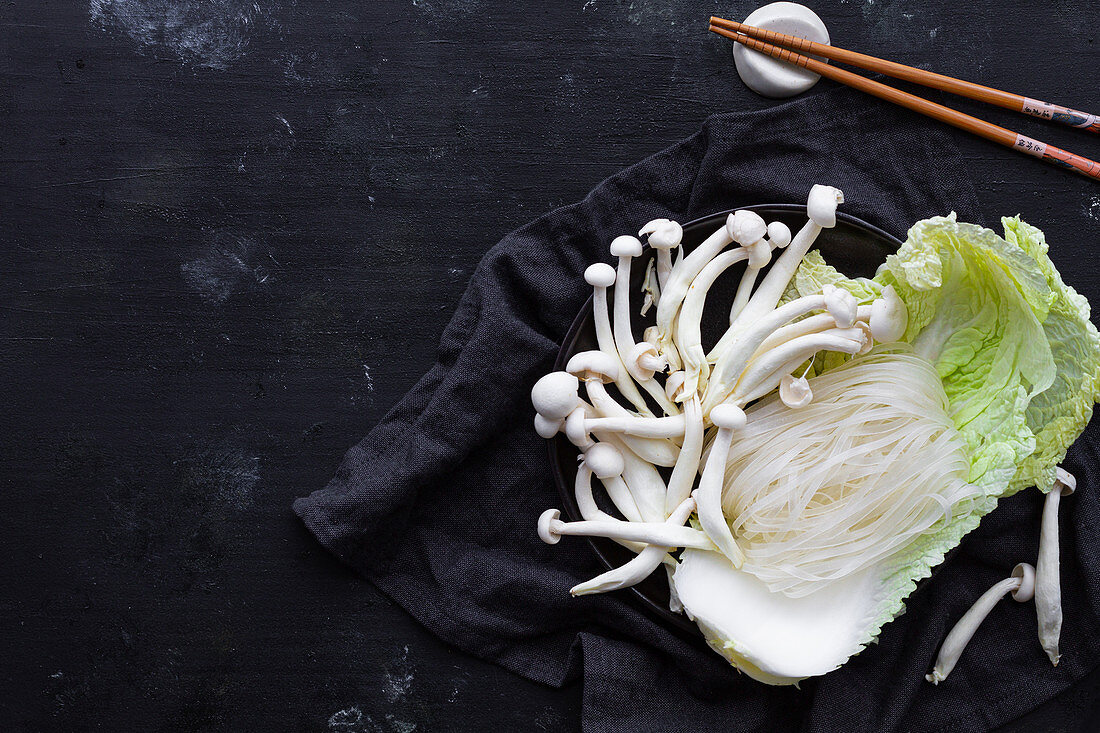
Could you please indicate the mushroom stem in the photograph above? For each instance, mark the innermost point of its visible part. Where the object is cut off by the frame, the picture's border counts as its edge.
(626, 249)
(1048, 591)
(810, 324)
(551, 530)
(670, 426)
(821, 209)
(688, 335)
(676, 288)
(744, 292)
(586, 503)
(642, 478)
(664, 236)
(658, 451)
(764, 373)
(687, 464)
(736, 347)
(1022, 586)
(640, 567)
(601, 276)
(708, 496)
(664, 266)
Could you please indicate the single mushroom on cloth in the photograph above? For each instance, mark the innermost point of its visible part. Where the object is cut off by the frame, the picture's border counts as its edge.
(844, 434)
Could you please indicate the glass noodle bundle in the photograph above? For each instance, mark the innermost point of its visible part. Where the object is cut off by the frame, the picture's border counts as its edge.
(821, 492)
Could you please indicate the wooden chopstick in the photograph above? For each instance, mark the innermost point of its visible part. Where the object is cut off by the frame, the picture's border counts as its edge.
(988, 130)
(1008, 100)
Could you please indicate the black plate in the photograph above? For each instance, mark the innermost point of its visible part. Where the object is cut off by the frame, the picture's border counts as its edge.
(853, 246)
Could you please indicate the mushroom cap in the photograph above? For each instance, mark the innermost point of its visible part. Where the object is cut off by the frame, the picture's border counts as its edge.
(868, 337)
(889, 316)
(663, 233)
(546, 530)
(575, 429)
(592, 364)
(554, 396)
(675, 384)
(779, 234)
(1026, 574)
(746, 227)
(600, 275)
(821, 205)
(547, 428)
(626, 246)
(645, 361)
(1066, 480)
(727, 416)
(604, 460)
(760, 254)
(794, 391)
(841, 305)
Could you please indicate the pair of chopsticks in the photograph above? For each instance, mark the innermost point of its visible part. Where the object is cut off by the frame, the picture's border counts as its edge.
(786, 48)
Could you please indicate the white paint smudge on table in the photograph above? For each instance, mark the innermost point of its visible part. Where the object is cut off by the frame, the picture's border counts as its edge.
(224, 269)
(1092, 208)
(210, 33)
(399, 677)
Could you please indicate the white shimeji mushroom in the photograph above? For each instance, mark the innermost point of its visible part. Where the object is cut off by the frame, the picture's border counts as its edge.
(554, 396)
(1048, 590)
(1021, 584)
(626, 249)
(708, 497)
(889, 317)
(664, 236)
(795, 391)
(676, 289)
(640, 567)
(663, 534)
(601, 276)
(683, 475)
(596, 369)
(760, 254)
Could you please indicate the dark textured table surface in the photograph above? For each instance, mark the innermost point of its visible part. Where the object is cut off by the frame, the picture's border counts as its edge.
(232, 234)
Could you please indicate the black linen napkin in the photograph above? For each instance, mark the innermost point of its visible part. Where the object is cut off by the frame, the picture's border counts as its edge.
(438, 505)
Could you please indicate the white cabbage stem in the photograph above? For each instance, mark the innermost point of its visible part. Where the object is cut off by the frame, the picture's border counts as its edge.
(551, 529)
(601, 276)
(708, 497)
(640, 567)
(1022, 586)
(1048, 590)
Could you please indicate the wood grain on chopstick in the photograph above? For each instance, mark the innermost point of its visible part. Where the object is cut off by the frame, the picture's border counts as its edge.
(988, 130)
(979, 92)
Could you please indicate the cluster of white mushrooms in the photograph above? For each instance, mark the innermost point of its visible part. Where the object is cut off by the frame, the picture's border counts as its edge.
(694, 390)
(677, 406)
